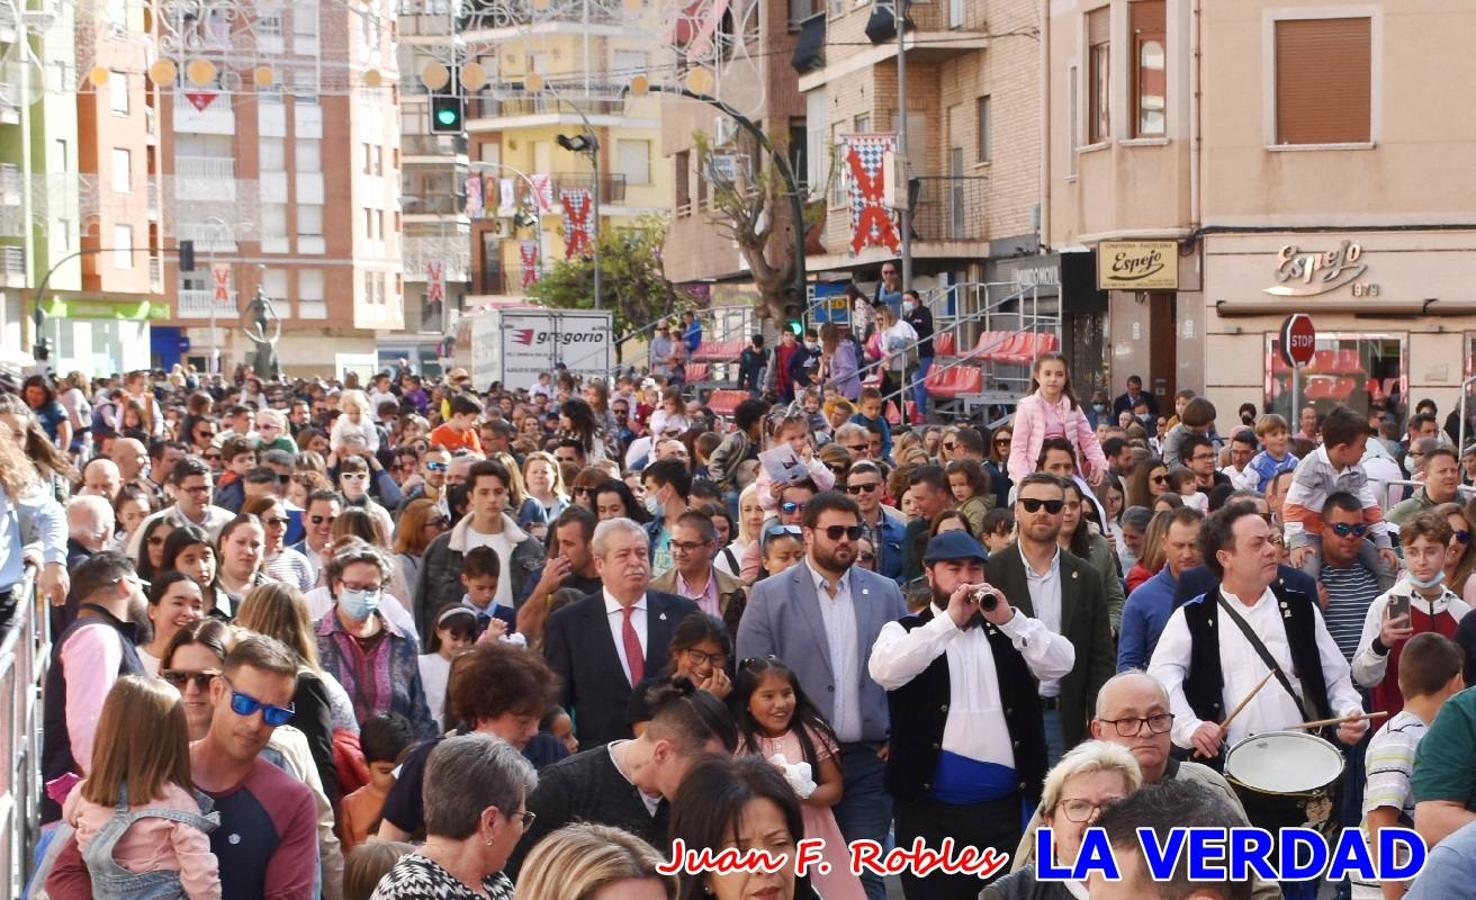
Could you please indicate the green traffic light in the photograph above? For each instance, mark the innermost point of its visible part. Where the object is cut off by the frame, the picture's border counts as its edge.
(446, 116)
(797, 327)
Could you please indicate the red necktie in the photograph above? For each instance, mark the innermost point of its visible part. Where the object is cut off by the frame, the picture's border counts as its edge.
(632, 643)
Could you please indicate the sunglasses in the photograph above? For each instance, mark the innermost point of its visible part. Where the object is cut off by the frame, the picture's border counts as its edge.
(179, 678)
(354, 476)
(1002, 442)
(246, 705)
(1463, 537)
(1034, 504)
(864, 488)
(436, 467)
(836, 532)
(1159, 479)
(1343, 529)
(865, 557)
(777, 531)
(950, 446)
(319, 520)
(276, 522)
(437, 522)
(789, 507)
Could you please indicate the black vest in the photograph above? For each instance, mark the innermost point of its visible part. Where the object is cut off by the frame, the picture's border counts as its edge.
(1204, 686)
(919, 712)
(56, 747)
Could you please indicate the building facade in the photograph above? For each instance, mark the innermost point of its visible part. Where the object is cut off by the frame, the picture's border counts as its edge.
(1230, 164)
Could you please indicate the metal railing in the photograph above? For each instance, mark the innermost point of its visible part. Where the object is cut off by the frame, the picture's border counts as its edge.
(196, 304)
(447, 145)
(25, 653)
(949, 208)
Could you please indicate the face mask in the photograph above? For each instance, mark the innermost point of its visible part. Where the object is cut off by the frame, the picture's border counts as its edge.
(908, 306)
(813, 348)
(1146, 418)
(358, 604)
(1099, 407)
(654, 507)
(1426, 585)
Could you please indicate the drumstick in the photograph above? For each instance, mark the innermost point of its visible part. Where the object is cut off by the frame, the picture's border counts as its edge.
(1323, 722)
(1241, 705)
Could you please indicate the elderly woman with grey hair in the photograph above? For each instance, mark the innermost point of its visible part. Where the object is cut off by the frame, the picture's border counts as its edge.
(1089, 777)
(476, 792)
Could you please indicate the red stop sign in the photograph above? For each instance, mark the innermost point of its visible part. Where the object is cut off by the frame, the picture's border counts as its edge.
(1298, 340)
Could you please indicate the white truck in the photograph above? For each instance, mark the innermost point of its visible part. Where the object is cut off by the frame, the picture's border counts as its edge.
(513, 344)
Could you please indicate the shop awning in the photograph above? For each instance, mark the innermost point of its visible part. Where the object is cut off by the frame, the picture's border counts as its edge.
(86, 308)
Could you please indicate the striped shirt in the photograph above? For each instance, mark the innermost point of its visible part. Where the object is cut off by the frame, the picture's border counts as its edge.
(1350, 590)
(1388, 761)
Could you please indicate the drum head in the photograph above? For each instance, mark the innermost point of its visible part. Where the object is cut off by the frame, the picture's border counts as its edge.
(1284, 762)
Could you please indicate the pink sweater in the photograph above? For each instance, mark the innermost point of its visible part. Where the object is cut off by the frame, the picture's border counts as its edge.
(153, 845)
(1033, 420)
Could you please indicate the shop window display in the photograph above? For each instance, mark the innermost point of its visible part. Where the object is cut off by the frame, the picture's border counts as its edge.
(1365, 371)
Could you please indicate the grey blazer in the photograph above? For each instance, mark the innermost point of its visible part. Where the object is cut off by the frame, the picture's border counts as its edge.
(783, 619)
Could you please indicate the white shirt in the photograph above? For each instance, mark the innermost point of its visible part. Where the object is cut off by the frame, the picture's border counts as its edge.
(504, 547)
(839, 615)
(652, 803)
(320, 603)
(1246, 479)
(435, 672)
(614, 613)
(1045, 598)
(975, 727)
(1270, 710)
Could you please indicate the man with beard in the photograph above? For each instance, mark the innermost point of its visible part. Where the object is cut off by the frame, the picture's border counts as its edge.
(98, 648)
(822, 619)
(967, 736)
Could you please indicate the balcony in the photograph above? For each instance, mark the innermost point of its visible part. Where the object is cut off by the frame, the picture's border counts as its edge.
(13, 266)
(11, 184)
(204, 177)
(197, 304)
(151, 124)
(156, 275)
(433, 205)
(510, 100)
(153, 195)
(10, 111)
(441, 146)
(520, 16)
(488, 281)
(216, 118)
(949, 208)
(612, 187)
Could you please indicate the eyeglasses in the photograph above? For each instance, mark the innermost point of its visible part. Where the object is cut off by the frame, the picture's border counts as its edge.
(1133, 726)
(276, 522)
(863, 487)
(211, 457)
(179, 678)
(1002, 442)
(836, 532)
(319, 520)
(437, 522)
(525, 817)
(579, 491)
(687, 546)
(702, 658)
(1343, 529)
(789, 507)
(354, 476)
(1033, 505)
(436, 467)
(205, 433)
(1082, 810)
(246, 705)
(1202, 457)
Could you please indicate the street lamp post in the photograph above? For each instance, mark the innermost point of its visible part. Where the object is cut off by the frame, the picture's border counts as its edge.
(899, 20)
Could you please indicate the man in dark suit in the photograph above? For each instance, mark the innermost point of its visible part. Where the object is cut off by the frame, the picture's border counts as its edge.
(1132, 397)
(606, 643)
(821, 618)
(1066, 593)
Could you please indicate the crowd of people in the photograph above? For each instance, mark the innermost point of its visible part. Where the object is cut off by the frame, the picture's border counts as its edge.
(411, 639)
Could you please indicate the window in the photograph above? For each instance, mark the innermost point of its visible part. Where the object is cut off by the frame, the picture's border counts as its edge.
(682, 166)
(122, 171)
(309, 153)
(273, 221)
(369, 283)
(122, 246)
(1323, 81)
(1073, 117)
(369, 224)
(59, 155)
(862, 124)
(379, 223)
(309, 220)
(1099, 69)
(64, 234)
(633, 160)
(310, 286)
(1149, 67)
(368, 160)
(378, 159)
(274, 284)
(981, 107)
(118, 92)
(273, 155)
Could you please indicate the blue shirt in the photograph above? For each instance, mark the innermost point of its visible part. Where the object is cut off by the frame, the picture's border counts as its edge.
(1450, 869)
(879, 422)
(36, 517)
(1268, 467)
(693, 336)
(1144, 616)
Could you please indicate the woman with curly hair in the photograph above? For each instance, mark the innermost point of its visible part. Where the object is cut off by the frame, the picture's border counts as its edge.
(36, 514)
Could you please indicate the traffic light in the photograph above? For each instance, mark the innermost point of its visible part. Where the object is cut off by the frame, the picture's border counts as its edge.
(448, 114)
(794, 314)
(187, 256)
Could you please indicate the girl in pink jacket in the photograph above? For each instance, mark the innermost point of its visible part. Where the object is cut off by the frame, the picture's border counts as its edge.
(1050, 411)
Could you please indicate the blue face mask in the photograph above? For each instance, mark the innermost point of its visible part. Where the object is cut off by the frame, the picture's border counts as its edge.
(359, 605)
(655, 508)
(1426, 585)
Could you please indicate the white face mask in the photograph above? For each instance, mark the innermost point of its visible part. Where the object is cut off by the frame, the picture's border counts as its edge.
(908, 306)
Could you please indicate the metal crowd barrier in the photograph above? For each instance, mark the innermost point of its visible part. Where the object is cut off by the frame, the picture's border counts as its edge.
(25, 653)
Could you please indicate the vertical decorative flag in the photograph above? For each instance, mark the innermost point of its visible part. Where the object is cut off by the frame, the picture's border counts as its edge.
(435, 282)
(578, 221)
(872, 224)
(474, 196)
(507, 199)
(543, 192)
(528, 256)
(221, 272)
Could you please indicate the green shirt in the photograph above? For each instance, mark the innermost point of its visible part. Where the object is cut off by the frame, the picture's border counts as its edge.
(1407, 509)
(1443, 767)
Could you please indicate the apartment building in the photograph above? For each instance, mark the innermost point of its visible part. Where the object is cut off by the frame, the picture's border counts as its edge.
(558, 68)
(283, 166)
(1230, 164)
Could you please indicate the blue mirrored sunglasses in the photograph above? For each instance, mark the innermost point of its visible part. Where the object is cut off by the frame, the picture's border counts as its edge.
(247, 705)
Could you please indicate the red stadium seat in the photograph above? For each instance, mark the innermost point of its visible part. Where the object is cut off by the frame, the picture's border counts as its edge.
(1344, 388)
(1349, 362)
(894, 415)
(698, 371)
(945, 344)
(724, 402)
(1324, 362)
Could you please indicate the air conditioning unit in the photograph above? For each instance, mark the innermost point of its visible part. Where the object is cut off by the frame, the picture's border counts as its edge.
(724, 132)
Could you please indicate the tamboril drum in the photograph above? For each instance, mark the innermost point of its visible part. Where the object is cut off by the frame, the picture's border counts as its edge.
(1287, 779)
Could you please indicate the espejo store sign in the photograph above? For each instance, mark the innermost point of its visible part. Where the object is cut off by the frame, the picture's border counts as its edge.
(1307, 273)
(1138, 266)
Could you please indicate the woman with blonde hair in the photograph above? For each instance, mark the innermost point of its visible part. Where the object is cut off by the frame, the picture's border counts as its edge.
(44, 457)
(593, 862)
(421, 521)
(545, 483)
(320, 703)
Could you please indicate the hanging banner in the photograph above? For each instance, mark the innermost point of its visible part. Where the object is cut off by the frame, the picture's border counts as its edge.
(200, 99)
(221, 272)
(474, 196)
(507, 202)
(435, 282)
(543, 192)
(578, 221)
(872, 223)
(528, 257)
